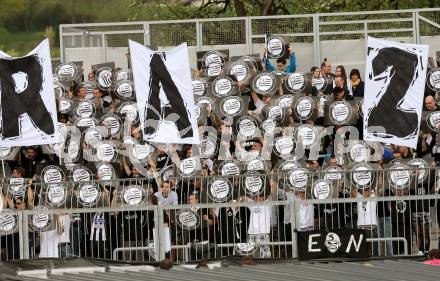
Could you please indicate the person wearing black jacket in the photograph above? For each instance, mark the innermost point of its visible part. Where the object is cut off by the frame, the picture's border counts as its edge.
(357, 85)
(232, 227)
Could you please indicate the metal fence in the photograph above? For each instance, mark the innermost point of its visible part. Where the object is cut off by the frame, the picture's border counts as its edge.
(340, 37)
(214, 217)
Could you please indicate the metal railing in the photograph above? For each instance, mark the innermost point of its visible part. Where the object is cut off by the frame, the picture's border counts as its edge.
(340, 37)
(123, 220)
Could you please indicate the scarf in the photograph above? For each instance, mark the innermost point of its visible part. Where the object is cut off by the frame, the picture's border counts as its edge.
(98, 226)
(355, 83)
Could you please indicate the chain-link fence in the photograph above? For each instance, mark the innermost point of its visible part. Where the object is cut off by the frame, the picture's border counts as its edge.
(340, 37)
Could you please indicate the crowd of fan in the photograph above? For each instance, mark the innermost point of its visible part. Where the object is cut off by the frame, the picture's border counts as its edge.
(92, 234)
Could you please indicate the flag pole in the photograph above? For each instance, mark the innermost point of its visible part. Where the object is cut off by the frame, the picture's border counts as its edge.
(3, 167)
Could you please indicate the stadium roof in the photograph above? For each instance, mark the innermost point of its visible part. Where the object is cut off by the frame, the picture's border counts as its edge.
(282, 270)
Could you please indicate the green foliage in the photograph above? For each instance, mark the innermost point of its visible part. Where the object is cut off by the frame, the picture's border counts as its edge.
(23, 23)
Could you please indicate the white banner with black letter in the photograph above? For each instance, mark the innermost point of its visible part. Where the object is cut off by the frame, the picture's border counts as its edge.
(394, 88)
(28, 109)
(164, 94)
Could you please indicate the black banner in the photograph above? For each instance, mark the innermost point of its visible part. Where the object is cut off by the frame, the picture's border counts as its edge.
(338, 243)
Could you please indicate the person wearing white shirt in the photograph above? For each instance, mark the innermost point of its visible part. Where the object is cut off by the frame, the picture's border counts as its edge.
(259, 225)
(166, 196)
(367, 211)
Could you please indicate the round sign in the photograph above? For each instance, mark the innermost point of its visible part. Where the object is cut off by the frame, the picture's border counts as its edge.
(188, 167)
(8, 222)
(264, 83)
(285, 146)
(219, 189)
(204, 100)
(40, 219)
(307, 135)
(73, 151)
(399, 176)
(56, 194)
(89, 87)
(231, 106)
(85, 122)
(288, 165)
(104, 78)
(52, 174)
(6, 152)
(275, 46)
(59, 89)
(123, 74)
(319, 83)
(214, 69)
(124, 89)
(188, 219)
(246, 249)
(88, 194)
(105, 151)
(65, 105)
(85, 109)
(93, 135)
(213, 58)
(304, 108)
(360, 105)
(105, 171)
(433, 79)
(66, 72)
(198, 111)
(133, 195)
(140, 153)
(16, 187)
(253, 183)
(223, 86)
(358, 151)
(81, 173)
(240, 70)
(229, 168)
(199, 86)
(419, 168)
(208, 147)
(273, 112)
(112, 122)
(340, 112)
(256, 163)
(332, 173)
(269, 126)
(362, 176)
(322, 189)
(299, 178)
(433, 121)
(129, 140)
(285, 101)
(295, 82)
(247, 126)
(129, 111)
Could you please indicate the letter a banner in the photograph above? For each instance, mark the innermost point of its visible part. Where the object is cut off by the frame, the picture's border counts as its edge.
(394, 88)
(164, 94)
(28, 108)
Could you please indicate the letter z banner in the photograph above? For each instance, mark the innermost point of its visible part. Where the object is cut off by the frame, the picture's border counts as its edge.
(394, 88)
(28, 109)
(164, 94)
